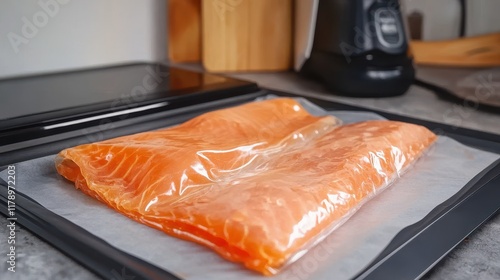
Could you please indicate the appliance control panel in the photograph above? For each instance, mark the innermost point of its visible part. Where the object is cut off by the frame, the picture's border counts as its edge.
(388, 28)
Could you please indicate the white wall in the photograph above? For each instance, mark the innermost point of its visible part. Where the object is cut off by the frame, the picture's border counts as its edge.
(483, 17)
(442, 17)
(73, 34)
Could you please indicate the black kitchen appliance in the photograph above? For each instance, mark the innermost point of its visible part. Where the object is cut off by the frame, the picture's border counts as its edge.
(355, 47)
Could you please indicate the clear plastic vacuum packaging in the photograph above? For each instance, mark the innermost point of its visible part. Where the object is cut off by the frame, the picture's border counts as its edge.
(261, 183)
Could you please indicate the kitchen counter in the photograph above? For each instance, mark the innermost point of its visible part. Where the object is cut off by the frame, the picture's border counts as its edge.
(477, 257)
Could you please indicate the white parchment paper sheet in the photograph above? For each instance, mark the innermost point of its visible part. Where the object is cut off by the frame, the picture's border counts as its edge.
(442, 172)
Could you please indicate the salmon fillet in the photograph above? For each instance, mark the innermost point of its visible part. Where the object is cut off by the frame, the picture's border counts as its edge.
(257, 183)
(137, 173)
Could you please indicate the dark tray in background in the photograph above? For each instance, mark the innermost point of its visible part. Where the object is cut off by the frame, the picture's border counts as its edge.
(422, 244)
(44, 110)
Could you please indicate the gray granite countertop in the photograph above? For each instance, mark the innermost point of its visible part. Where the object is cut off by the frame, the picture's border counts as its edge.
(477, 257)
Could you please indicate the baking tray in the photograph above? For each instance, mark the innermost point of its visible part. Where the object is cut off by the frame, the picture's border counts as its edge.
(422, 244)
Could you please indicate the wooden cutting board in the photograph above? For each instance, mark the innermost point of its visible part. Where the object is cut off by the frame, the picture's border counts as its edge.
(184, 30)
(247, 35)
(478, 51)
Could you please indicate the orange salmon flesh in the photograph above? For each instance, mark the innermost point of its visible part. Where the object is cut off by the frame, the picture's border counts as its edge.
(256, 183)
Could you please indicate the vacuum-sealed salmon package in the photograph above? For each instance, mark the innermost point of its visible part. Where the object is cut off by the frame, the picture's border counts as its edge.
(260, 183)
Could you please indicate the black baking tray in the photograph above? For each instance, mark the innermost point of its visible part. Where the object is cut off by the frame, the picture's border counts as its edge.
(422, 244)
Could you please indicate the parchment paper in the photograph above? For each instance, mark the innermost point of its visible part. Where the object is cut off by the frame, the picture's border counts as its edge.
(442, 172)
